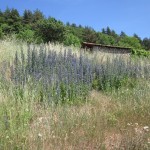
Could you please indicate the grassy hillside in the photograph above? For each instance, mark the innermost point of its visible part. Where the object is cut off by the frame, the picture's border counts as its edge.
(56, 97)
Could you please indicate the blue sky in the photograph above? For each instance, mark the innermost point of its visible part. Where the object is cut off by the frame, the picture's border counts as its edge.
(130, 16)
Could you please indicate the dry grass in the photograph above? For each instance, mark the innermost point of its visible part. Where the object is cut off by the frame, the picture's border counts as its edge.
(8, 49)
(70, 127)
(102, 56)
(101, 123)
(94, 125)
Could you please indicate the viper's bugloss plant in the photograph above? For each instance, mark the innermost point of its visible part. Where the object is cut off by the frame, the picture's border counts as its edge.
(65, 76)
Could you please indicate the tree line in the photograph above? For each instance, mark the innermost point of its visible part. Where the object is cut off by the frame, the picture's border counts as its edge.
(33, 26)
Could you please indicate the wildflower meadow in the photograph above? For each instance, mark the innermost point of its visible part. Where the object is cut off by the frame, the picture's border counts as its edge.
(58, 97)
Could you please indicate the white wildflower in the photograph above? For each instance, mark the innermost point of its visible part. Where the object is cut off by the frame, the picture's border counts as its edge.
(128, 124)
(40, 135)
(40, 119)
(146, 128)
(138, 131)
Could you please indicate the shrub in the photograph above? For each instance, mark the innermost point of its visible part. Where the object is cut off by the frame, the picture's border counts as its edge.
(6, 28)
(29, 36)
(71, 39)
(1, 33)
(140, 52)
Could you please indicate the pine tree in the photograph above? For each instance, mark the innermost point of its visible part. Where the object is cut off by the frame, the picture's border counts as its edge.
(1, 18)
(108, 31)
(37, 15)
(27, 17)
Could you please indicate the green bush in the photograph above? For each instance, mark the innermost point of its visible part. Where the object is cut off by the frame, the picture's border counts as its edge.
(1, 33)
(50, 30)
(6, 28)
(71, 39)
(140, 52)
(28, 36)
(128, 41)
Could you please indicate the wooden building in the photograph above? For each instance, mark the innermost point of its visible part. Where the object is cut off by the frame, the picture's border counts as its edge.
(106, 48)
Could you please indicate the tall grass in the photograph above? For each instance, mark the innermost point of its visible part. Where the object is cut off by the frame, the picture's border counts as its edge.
(64, 76)
(53, 97)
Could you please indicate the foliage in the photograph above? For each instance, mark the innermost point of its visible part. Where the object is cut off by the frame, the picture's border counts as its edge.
(75, 30)
(1, 33)
(28, 36)
(12, 19)
(89, 35)
(137, 37)
(146, 43)
(127, 41)
(140, 52)
(71, 39)
(51, 30)
(109, 32)
(27, 17)
(1, 18)
(105, 39)
(6, 28)
(37, 15)
(122, 34)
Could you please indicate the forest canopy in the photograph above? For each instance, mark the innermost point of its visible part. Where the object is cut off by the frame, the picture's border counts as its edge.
(33, 26)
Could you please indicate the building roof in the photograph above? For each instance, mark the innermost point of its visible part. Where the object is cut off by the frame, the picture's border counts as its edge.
(91, 45)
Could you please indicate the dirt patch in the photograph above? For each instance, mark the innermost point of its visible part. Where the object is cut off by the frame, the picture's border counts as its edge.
(112, 141)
